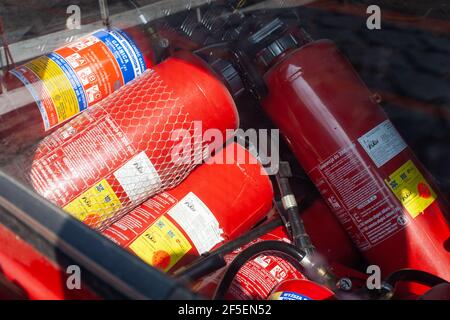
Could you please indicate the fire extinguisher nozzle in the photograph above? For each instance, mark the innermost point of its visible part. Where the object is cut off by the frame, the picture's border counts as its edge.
(290, 207)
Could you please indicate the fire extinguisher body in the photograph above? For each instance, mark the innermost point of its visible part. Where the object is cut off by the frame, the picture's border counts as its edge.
(144, 138)
(257, 277)
(365, 171)
(328, 236)
(47, 91)
(216, 203)
(300, 289)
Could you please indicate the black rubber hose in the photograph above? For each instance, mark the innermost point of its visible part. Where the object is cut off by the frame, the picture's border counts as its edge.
(201, 268)
(282, 249)
(300, 237)
(251, 235)
(412, 275)
(214, 260)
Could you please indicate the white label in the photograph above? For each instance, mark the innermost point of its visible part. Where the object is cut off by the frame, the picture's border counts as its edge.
(278, 273)
(138, 177)
(382, 143)
(262, 260)
(198, 222)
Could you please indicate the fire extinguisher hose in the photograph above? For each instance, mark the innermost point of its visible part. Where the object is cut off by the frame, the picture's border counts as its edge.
(412, 275)
(287, 251)
(299, 235)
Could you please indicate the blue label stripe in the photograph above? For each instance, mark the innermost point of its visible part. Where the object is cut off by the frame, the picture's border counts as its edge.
(137, 52)
(127, 55)
(122, 54)
(35, 95)
(73, 79)
(288, 295)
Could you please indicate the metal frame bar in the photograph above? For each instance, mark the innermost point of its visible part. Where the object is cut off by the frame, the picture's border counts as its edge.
(112, 265)
(29, 49)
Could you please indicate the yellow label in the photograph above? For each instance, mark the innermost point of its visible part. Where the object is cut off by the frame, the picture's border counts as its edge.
(161, 245)
(58, 85)
(99, 200)
(275, 296)
(411, 188)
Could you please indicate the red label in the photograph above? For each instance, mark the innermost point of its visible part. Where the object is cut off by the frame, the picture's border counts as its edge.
(359, 198)
(132, 225)
(80, 74)
(257, 277)
(96, 67)
(57, 172)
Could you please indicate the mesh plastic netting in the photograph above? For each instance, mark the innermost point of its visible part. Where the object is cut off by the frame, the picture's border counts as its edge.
(139, 141)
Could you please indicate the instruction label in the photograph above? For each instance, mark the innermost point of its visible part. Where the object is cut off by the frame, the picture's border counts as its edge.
(257, 277)
(83, 153)
(358, 197)
(382, 143)
(411, 189)
(97, 203)
(163, 230)
(78, 75)
(162, 245)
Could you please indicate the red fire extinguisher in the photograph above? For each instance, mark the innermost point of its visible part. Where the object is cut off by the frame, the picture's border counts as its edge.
(257, 277)
(49, 90)
(216, 203)
(300, 289)
(142, 139)
(328, 236)
(363, 168)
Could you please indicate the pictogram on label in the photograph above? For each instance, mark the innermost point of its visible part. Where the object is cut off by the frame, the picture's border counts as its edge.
(411, 189)
(162, 245)
(78, 75)
(94, 204)
(358, 197)
(163, 229)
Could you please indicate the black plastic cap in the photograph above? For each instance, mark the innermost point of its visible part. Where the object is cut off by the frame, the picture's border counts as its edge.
(268, 32)
(229, 75)
(270, 41)
(276, 48)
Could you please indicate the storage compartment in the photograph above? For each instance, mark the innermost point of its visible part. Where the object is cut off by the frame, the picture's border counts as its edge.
(145, 144)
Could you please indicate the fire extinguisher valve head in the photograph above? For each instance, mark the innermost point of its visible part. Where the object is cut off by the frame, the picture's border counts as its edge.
(229, 75)
(267, 55)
